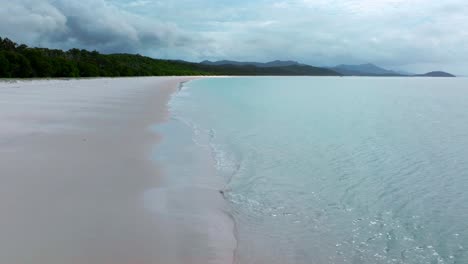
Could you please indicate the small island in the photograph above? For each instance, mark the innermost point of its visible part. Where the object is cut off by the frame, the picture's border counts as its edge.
(436, 74)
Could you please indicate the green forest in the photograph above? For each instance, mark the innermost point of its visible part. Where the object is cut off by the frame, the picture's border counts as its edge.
(21, 61)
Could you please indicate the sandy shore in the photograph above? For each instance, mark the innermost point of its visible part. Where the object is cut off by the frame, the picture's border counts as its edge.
(74, 166)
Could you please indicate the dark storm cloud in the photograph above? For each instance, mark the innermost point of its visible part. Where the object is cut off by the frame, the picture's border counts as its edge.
(92, 24)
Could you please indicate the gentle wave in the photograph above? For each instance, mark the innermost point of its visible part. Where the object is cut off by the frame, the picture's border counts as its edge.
(315, 173)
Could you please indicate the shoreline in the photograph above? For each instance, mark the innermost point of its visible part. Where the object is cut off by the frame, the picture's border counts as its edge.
(74, 166)
(194, 191)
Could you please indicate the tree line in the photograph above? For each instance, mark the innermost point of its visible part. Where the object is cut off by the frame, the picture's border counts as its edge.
(21, 61)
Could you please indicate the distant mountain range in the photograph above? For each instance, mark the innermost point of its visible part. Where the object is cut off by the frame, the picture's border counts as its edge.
(370, 69)
(276, 63)
(367, 69)
(364, 70)
(286, 68)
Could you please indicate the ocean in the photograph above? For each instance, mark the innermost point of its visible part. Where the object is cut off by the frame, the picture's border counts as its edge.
(328, 169)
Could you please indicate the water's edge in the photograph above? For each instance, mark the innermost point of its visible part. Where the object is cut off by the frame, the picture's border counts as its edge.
(190, 166)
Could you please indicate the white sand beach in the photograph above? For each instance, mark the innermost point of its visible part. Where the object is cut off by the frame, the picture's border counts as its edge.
(74, 165)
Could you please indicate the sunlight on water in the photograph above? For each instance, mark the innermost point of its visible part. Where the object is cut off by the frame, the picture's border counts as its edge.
(338, 170)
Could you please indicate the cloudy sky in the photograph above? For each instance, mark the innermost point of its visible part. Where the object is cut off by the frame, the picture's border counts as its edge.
(412, 35)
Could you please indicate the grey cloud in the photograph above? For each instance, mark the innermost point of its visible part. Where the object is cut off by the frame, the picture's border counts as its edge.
(92, 24)
(30, 19)
(393, 33)
(409, 34)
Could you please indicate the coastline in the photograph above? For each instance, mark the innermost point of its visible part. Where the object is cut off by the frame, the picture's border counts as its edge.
(75, 164)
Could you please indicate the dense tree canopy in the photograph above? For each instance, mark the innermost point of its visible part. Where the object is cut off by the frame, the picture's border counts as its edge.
(21, 61)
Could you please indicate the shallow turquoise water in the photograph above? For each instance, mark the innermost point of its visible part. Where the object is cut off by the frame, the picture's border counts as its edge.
(336, 170)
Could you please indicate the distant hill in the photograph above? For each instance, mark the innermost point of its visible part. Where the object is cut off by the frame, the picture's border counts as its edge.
(251, 70)
(367, 69)
(276, 63)
(436, 74)
(370, 69)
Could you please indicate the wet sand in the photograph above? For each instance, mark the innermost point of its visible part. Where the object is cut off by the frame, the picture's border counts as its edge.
(75, 163)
